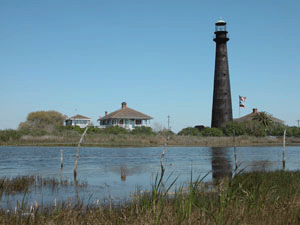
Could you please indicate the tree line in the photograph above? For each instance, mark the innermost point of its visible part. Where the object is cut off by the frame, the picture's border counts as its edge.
(42, 123)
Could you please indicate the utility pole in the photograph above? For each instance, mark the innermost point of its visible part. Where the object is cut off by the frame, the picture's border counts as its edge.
(298, 122)
(168, 122)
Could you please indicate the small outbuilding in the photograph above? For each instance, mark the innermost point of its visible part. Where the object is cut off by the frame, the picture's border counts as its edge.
(78, 120)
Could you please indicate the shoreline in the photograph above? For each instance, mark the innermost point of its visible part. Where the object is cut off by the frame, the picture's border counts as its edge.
(150, 141)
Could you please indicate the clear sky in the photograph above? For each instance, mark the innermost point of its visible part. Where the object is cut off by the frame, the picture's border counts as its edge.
(87, 56)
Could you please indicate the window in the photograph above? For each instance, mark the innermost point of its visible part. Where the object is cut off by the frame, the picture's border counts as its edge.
(138, 122)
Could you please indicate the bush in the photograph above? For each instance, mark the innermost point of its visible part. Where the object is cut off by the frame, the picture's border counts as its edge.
(277, 129)
(216, 132)
(94, 130)
(6, 135)
(293, 131)
(78, 129)
(142, 130)
(189, 131)
(254, 128)
(115, 130)
(238, 129)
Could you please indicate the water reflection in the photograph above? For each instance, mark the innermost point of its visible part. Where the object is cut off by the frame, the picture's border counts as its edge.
(117, 172)
(262, 165)
(221, 164)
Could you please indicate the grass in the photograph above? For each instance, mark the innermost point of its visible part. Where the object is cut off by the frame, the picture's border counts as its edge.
(247, 198)
(129, 140)
(23, 184)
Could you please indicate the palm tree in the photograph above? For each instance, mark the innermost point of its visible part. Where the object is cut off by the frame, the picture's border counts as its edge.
(264, 118)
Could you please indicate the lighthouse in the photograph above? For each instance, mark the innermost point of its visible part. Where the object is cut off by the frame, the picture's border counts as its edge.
(221, 108)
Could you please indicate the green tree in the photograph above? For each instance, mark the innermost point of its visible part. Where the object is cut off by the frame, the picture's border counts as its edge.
(43, 120)
(264, 118)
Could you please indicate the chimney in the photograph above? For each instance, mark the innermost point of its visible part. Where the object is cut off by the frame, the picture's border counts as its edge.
(105, 113)
(255, 110)
(124, 105)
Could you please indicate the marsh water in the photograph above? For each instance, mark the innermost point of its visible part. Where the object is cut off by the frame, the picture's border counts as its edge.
(115, 173)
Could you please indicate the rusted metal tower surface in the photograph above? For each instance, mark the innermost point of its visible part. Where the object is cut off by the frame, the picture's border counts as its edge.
(222, 107)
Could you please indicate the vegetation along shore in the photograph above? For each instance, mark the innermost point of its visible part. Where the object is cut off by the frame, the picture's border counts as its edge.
(247, 198)
(45, 128)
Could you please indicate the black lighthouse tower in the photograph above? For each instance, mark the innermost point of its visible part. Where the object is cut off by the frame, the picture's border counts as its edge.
(222, 108)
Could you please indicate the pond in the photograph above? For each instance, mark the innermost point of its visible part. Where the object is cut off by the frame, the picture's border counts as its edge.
(115, 173)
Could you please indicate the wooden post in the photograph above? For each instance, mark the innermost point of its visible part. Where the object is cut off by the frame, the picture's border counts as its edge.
(61, 159)
(61, 164)
(78, 151)
(235, 151)
(283, 150)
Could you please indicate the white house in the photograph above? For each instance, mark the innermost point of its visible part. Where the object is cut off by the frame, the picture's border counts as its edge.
(125, 117)
(78, 120)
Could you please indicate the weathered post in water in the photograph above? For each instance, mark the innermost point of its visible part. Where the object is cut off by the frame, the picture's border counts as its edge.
(283, 151)
(235, 151)
(78, 151)
(61, 164)
(61, 159)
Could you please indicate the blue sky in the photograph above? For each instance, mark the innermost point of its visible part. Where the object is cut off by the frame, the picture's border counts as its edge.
(87, 56)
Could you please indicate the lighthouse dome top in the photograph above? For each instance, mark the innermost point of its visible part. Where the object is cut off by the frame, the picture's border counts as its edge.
(220, 25)
(220, 22)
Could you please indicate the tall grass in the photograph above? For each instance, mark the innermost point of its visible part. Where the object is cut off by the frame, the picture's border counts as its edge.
(124, 140)
(247, 198)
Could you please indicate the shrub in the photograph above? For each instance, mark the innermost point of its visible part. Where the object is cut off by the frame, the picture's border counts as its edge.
(296, 132)
(115, 130)
(6, 135)
(277, 129)
(293, 131)
(216, 132)
(142, 130)
(94, 130)
(238, 129)
(78, 129)
(165, 132)
(189, 131)
(254, 128)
